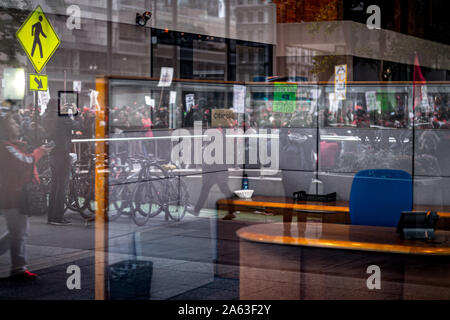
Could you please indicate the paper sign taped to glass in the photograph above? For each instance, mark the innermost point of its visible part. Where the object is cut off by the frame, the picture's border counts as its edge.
(173, 97)
(166, 77)
(340, 82)
(239, 93)
(371, 101)
(190, 101)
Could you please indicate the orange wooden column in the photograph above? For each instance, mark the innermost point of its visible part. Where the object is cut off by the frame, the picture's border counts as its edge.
(101, 189)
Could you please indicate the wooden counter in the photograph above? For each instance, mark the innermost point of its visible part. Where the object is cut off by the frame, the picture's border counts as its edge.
(329, 212)
(330, 261)
(346, 237)
(265, 202)
(261, 209)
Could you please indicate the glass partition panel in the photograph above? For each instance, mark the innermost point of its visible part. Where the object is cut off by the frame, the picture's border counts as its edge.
(432, 142)
(369, 129)
(291, 110)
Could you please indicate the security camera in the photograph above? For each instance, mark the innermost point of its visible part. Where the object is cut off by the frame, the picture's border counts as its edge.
(141, 19)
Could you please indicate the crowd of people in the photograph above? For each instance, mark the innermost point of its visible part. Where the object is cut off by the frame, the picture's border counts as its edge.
(353, 112)
(139, 118)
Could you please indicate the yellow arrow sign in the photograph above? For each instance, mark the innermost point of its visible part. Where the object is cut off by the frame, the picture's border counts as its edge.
(38, 83)
(38, 39)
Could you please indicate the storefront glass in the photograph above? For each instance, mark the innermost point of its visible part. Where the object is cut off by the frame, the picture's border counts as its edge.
(143, 118)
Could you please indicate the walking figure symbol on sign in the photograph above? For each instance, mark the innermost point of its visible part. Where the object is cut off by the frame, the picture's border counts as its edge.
(36, 32)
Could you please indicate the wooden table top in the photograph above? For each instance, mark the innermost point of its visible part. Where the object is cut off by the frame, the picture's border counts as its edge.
(331, 207)
(288, 203)
(347, 237)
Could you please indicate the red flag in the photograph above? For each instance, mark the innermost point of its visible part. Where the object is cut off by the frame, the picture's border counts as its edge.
(419, 81)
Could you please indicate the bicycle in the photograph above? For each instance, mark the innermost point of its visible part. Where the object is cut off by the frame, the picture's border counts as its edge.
(176, 202)
(81, 195)
(120, 190)
(148, 196)
(160, 191)
(76, 190)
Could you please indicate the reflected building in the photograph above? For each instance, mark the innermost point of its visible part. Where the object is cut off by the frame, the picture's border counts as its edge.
(335, 32)
(255, 22)
(199, 39)
(215, 40)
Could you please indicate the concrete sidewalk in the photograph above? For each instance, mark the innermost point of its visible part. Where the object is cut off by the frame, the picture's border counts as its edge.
(183, 254)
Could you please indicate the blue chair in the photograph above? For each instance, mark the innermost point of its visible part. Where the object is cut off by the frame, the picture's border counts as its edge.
(379, 196)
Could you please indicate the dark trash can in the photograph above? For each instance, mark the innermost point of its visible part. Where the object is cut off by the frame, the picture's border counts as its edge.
(130, 280)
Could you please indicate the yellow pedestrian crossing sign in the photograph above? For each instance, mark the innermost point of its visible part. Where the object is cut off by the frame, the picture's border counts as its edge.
(38, 83)
(38, 39)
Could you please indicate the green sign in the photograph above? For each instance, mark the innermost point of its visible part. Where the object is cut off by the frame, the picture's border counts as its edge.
(284, 98)
(387, 101)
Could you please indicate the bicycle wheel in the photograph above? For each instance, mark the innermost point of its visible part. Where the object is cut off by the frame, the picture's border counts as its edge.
(120, 192)
(178, 199)
(86, 200)
(114, 210)
(71, 198)
(46, 182)
(146, 203)
(125, 199)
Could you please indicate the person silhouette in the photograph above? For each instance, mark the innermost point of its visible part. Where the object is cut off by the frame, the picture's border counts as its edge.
(36, 31)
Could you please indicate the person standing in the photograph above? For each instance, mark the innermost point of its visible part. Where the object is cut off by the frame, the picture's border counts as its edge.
(213, 174)
(18, 169)
(147, 125)
(60, 131)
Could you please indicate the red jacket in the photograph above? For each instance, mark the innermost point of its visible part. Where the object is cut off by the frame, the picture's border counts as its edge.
(147, 124)
(17, 168)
